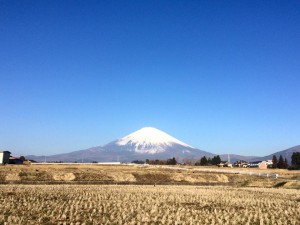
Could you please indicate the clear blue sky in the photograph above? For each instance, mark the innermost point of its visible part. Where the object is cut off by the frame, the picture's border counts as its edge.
(222, 76)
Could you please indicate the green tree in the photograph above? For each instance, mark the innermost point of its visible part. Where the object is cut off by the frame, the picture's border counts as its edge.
(209, 161)
(286, 164)
(213, 161)
(203, 161)
(216, 160)
(274, 161)
(280, 163)
(296, 159)
(171, 161)
(138, 161)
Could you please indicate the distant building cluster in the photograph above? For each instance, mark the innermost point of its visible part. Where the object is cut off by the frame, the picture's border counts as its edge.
(260, 164)
(240, 163)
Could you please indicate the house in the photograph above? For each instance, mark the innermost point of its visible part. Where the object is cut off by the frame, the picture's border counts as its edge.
(4, 157)
(254, 164)
(225, 164)
(15, 160)
(263, 165)
(241, 163)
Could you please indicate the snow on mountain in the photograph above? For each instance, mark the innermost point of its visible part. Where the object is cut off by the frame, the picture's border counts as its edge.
(149, 140)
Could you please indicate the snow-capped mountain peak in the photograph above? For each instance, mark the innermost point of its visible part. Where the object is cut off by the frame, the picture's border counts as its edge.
(149, 140)
(146, 143)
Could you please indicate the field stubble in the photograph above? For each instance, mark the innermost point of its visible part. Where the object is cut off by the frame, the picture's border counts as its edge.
(119, 204)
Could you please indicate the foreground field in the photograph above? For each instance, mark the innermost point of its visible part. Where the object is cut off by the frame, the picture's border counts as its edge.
(119, 204)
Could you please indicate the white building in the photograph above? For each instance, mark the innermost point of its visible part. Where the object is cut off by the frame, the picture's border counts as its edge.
(4, 157)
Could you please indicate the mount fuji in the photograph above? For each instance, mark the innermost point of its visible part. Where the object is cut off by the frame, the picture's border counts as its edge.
(146, 143)
(149, 140)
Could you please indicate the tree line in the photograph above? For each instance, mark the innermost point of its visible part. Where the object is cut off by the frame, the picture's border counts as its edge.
(171, 161)
(283, 163)
(279, 163)
(210, 161)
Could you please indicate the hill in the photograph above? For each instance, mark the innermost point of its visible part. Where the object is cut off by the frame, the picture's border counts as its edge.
(285, 154)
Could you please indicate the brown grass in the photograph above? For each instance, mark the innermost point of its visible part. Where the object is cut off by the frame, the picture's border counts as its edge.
(119, 204)
(138, 175)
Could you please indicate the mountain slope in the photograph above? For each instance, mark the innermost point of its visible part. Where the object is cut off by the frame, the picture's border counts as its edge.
(285, 154)
(234, 157)
(146, 143)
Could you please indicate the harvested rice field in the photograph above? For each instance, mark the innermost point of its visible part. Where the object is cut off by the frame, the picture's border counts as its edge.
(142, 204)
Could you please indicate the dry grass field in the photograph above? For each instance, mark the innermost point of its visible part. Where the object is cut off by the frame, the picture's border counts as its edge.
(97, 194)
(133, 174)
(146, 204)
